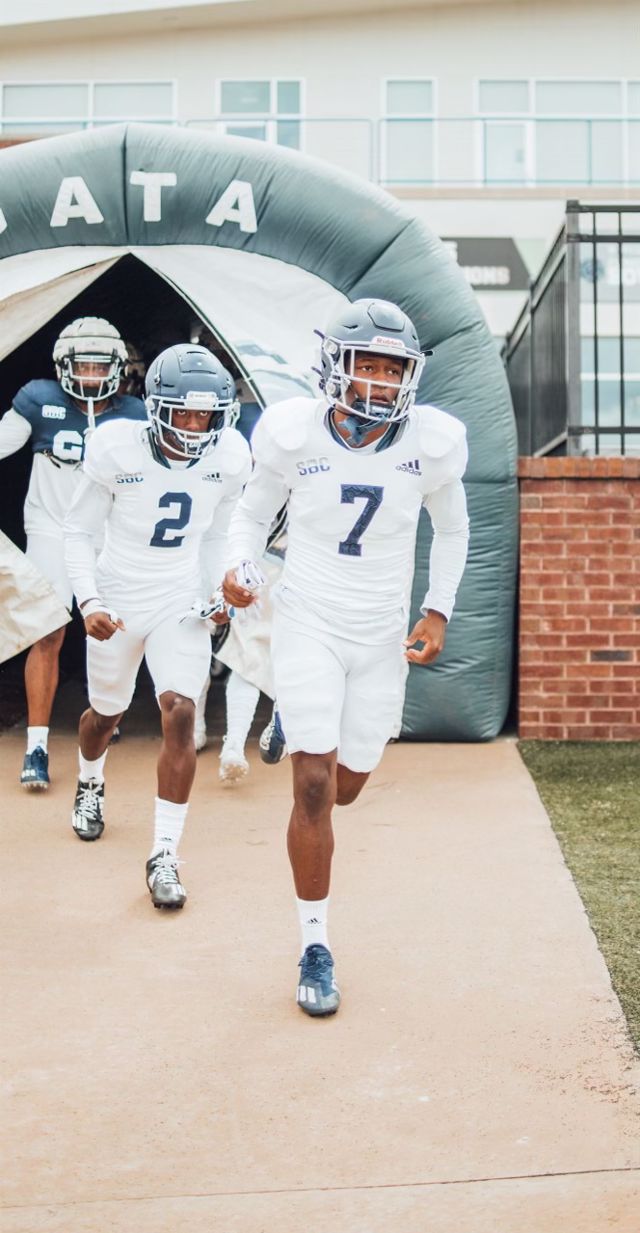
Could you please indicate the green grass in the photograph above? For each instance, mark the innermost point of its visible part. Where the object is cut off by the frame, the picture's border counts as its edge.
(591, 791)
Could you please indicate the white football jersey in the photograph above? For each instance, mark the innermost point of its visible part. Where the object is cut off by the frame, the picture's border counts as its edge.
(157, 516)
(353, 515)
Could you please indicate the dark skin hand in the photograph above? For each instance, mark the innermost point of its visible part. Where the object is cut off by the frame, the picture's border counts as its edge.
(100, 626)
(429, 630)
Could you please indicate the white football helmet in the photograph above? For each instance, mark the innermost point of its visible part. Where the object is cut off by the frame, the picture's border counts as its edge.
(89, 341)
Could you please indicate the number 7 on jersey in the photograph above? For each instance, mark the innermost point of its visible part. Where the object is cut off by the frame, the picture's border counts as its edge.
(372, 495)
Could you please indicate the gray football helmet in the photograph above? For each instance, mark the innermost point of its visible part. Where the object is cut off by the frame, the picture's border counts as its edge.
(382, 328)
(189, 377)
(89, 341)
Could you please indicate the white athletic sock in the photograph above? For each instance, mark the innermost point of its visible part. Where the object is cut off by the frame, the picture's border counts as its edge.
(37, 737)
(241, 700)
(169, 823)
(313, 914)
(92, 769)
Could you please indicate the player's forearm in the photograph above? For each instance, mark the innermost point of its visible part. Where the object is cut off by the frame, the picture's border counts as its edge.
(80, 560)
(448, 512)
(251, 520)
(85, 519)
(446, 567)
(247, 540)
(214, 562)
(15, 430)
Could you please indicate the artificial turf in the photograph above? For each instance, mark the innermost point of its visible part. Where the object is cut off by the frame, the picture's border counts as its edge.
(591, 791)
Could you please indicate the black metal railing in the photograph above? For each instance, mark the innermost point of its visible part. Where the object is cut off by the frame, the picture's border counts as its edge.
(573, 356)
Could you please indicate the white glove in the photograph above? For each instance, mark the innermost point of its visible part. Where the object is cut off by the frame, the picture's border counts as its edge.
(203, 609)
(250, 576)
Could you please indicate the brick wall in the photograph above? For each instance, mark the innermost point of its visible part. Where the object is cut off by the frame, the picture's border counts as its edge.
(579, 628)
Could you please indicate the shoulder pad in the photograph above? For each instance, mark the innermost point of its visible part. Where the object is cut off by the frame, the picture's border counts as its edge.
(438, 431)
(30, 400)
(286, 424)
(109, 448)
(128, 407)
(114, 430)
(110, 437)
(232, 452)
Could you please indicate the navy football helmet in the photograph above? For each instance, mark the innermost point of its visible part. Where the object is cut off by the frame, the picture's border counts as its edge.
(89, 342)
(379, 327)
(189, 377)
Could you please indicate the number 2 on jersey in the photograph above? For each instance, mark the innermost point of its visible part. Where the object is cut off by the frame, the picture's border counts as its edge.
(177, 523)
(372, 495)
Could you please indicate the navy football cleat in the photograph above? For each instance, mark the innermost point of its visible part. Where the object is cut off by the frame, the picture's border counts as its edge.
(317, 992)
(273, 743)
(35, 770)
(87, 818)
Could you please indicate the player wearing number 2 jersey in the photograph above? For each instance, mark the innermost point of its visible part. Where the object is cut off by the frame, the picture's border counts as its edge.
(357, 466)
(55, 416)
(163, 494)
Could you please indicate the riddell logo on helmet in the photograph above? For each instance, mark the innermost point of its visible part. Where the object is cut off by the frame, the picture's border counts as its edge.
(383, 341)
(201, 400)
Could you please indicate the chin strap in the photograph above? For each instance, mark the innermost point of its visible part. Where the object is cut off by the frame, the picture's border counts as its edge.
(358, 428)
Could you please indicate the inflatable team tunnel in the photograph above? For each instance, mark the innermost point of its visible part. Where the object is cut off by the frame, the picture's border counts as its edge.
(263, 245)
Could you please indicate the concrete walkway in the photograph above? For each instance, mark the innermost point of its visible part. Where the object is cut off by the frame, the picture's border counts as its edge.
(158, 1075)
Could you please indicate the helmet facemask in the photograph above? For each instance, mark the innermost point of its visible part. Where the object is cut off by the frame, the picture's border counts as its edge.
(338, 362)
(184, 442)
(84, 387)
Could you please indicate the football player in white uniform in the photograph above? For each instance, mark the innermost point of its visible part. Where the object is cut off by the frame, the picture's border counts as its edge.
(163, 493)
(55, 416)
(356, 466)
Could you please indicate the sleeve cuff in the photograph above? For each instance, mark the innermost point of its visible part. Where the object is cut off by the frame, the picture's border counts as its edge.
(435, 604)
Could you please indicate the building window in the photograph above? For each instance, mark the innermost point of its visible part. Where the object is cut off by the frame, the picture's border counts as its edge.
(124, 100)
(610, 332)
(559, 131)
(408, 127)
(511, 97)
(267, 110)
(61, 106)
(606, 392)
(578, 98)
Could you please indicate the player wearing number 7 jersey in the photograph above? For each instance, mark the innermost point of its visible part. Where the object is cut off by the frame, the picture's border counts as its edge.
(357, 466)
(55, 416)
(164, 493)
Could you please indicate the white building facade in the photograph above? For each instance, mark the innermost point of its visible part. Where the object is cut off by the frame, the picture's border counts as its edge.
(483, 117)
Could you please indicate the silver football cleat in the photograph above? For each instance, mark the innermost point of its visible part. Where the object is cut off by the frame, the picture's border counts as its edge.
(164, 884)
(87, 817)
